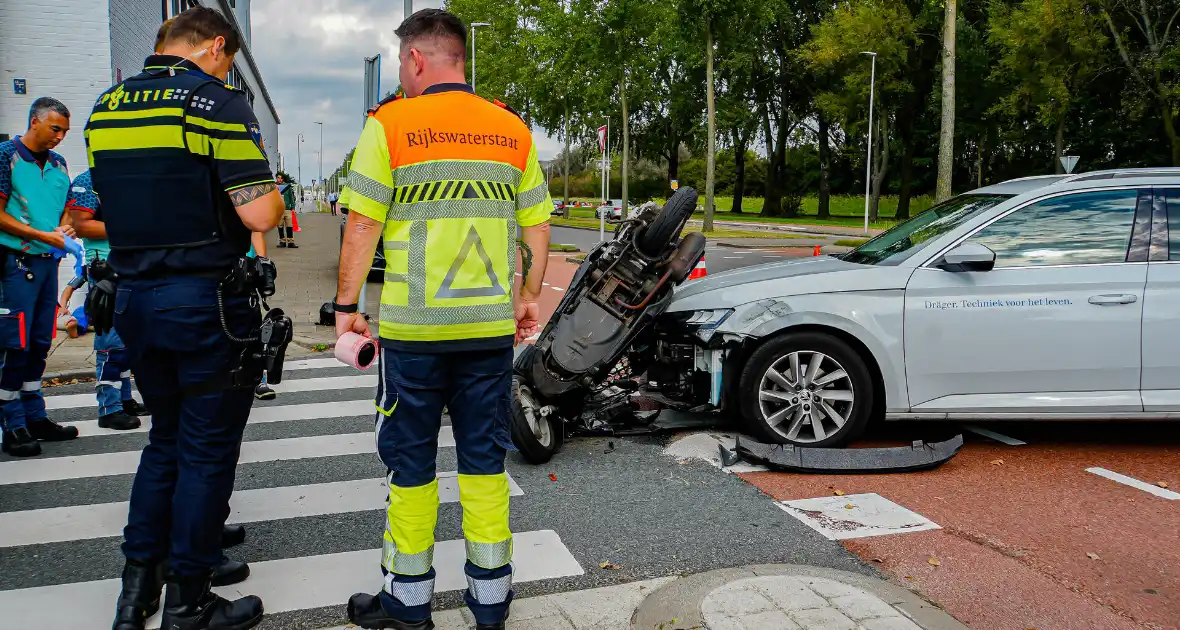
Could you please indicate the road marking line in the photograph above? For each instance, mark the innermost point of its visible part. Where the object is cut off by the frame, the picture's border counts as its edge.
(1135, 483)
(84, 522)
(732, 257)
(126, 462)
(258, 415)
(72, 401)
(289, 584)
(999, 437)
(312, 364)
(557, 288)
(856, 516)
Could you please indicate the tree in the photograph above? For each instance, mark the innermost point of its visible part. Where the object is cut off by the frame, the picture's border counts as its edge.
(1049, 53)
(1147, 36)
(946, 143)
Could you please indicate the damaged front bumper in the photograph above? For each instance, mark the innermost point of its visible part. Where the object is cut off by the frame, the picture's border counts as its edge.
(785, 457)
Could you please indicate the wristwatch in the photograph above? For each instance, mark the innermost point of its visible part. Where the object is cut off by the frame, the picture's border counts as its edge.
(343, 308)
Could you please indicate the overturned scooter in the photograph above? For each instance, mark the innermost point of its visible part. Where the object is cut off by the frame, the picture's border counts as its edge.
(594, 340)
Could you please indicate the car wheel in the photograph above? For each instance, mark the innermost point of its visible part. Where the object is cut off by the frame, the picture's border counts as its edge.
(537, 437)
(808, 389)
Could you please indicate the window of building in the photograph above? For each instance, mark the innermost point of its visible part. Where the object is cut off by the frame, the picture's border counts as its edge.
(236, 79)
(173, 8)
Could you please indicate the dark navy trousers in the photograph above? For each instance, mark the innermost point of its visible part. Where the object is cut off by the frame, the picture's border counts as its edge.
(174, 338)
(28, 313)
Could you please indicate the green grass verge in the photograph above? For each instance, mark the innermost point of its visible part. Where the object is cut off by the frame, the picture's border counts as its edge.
(845, 210)
(562, 247)
(851, 242)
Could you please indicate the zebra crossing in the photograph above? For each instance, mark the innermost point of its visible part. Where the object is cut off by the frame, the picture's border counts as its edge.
(310, 491)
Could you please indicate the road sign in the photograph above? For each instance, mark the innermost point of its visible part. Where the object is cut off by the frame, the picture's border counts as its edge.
(602, 138)
(1068, 162)
(19, 86)
(675, 184)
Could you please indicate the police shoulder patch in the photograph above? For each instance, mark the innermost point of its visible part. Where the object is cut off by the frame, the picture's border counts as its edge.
(256, 136)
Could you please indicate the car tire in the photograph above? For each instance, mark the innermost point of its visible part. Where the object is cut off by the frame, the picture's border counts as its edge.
(665, 228)
(535, 446)
(785, 411)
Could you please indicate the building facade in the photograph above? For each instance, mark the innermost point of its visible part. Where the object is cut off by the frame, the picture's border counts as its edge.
(72, 50)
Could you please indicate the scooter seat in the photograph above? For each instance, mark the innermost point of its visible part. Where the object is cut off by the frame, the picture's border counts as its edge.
(586, 339)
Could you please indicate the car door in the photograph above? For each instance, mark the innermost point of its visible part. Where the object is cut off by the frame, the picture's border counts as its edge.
(1054, 327)
(1161, 307)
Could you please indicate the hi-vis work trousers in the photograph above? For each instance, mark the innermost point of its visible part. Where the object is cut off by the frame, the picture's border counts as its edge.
(411, 394)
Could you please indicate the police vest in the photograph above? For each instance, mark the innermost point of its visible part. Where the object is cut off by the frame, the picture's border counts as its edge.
(156, 147)
(451, 176)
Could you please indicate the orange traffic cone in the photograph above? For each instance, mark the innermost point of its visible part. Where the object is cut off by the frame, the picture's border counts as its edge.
(295, 222)
(816, 252)
(699, 271)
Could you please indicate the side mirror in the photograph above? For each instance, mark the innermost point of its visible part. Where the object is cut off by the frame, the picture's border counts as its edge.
(968, 257)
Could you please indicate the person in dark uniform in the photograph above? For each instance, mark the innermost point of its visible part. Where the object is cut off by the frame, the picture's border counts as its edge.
(176, 157)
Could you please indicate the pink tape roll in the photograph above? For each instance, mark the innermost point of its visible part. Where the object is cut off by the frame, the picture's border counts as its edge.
(355, 350)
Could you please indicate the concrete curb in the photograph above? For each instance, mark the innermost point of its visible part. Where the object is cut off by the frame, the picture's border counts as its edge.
(677, 605)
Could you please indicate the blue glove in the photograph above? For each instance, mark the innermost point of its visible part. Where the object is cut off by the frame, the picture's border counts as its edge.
(75, 249)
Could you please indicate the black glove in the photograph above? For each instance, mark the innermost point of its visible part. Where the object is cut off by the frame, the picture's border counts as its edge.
(100, 305)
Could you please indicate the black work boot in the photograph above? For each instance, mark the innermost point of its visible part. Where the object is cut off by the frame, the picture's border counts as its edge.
(230, 572)
(190, 605)
(365, 611)
(490, 626)
(21, 443)
(119, 421)
(140, 597)
(47, 430)
(264, 392)
(135, 408)
(232, 536)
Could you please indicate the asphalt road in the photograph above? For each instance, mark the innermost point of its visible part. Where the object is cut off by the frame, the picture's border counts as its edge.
(314, 538)
(717, 258)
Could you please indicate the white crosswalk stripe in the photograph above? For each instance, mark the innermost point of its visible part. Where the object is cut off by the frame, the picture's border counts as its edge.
(298, 482)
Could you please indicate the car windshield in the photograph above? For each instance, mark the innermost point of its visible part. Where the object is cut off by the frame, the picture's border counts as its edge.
(899, 243)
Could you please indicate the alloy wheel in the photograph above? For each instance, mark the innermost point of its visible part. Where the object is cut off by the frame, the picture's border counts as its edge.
(806, 396)
(539, 426)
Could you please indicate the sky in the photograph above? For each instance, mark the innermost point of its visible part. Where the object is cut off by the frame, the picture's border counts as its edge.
(311, 53)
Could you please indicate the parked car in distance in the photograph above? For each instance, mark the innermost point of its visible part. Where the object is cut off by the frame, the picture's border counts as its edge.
(611, 210)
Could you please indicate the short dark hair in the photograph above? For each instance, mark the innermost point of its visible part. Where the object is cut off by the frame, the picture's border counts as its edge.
(162, 34)
(199, 24)
(44, 105)
(434, 23)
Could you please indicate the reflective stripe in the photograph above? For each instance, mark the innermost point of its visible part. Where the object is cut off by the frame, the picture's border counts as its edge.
(410, 593)
(490, 592)
(489, 555)
(405, 563)
(135, 115)
(30, 386)
(147, 137)
(443, 316)
(395, 277)
(533, 196)
(6, 395)
(111, 383)
(219, 126)
(467, 170)
(397, 246)
(453, 209)
(370, 188)
(125, 374)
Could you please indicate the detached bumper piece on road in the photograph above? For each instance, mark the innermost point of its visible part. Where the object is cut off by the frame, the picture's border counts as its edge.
(918, 456)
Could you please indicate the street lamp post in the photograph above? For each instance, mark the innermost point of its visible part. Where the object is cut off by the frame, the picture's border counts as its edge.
(474, 25)
(869, 164)
(299, 156)
(321, 153)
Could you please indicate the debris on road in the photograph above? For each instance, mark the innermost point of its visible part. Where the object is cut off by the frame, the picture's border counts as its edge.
(1162, 484)
(552, 477)
(997, 462)
(1093, 556)
(934, 562)
(786, 457)
(609, 566)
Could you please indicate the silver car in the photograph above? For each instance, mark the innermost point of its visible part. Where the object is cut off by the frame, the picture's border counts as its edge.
(1041, 298)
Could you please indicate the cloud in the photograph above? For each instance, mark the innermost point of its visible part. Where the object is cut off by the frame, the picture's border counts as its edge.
(311, 53)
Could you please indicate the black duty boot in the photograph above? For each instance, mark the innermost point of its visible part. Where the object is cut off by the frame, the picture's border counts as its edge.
(135, 408)
(230, 572)
(119, 421)
(232, 536)
(21, 443)
(365, 611)
(47, 430)
(264, 392)
(140, 597)
(490, 626)
(190, 605)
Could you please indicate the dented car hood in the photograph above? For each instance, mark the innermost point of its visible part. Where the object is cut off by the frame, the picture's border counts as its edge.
(801, 276)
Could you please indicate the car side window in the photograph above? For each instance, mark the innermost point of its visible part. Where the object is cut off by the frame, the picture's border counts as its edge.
(1172, 199)
(1081, 229)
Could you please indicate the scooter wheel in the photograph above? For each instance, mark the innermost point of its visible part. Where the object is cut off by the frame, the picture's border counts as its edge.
(537, 437)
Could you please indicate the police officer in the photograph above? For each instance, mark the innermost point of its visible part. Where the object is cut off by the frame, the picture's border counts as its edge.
(34, 183)
(176, 158)
(448, 177)
(116, 408)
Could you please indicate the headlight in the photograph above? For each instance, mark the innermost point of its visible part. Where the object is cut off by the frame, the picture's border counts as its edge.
(705, 323)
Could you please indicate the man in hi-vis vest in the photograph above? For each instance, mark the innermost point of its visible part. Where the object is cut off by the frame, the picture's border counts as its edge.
(445, 178)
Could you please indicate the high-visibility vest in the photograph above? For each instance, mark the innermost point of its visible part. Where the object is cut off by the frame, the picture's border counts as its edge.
(451, 176)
